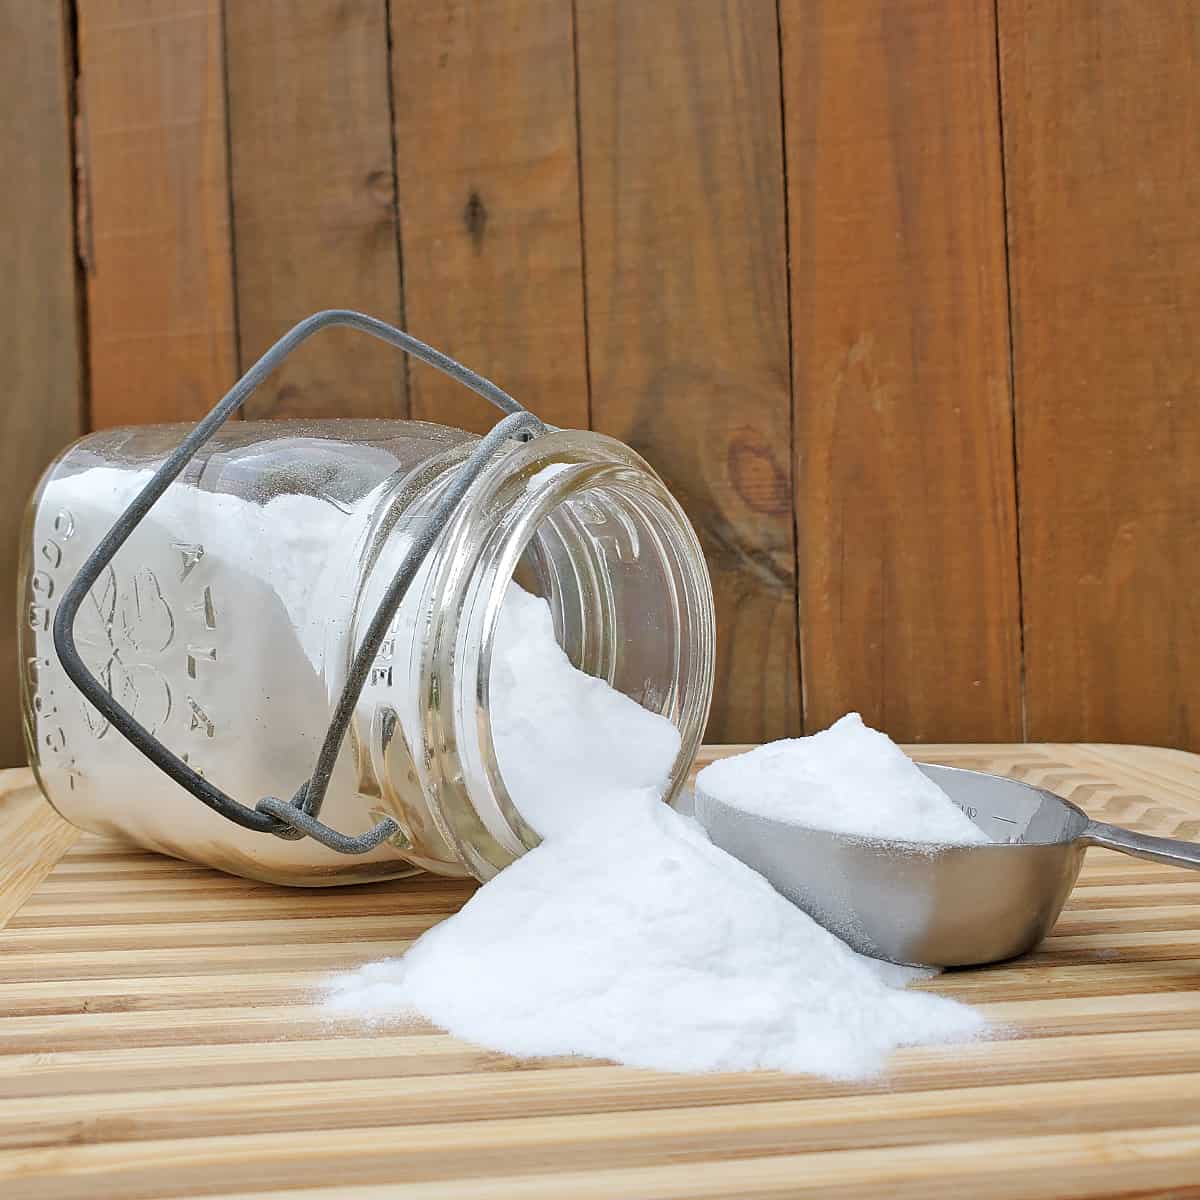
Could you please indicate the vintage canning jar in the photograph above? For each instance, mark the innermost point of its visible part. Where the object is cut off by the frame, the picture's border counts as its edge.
(227, 622)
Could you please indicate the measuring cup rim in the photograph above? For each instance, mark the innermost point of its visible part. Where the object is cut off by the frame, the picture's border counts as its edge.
(926, 849)
(1009, 781)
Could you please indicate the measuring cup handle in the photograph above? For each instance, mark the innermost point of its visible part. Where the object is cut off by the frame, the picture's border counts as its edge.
(1175, 852)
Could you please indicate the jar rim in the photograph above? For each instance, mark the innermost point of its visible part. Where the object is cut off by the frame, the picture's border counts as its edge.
(511, 502)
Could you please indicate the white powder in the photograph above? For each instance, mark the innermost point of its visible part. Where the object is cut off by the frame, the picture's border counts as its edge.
(552, 724)
(627, 935)
(635, 939)
(222, 626)
(545, 475)
(848, 779)
(282, 541)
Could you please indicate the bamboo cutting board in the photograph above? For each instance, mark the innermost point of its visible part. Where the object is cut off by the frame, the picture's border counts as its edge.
(158, 1038)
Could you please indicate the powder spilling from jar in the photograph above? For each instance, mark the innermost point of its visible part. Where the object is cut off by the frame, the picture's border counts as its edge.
(626, 934)
(846, 779)
(570, 747)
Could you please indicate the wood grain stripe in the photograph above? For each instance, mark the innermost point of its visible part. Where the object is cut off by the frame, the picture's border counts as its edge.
(905, 493)
(684, 226)
(35, 839)
(314, 201)
(1064, 1166)
(487, 169)
(41, 335)
(178, 1120)
(298, 1021)
(1102, 154)
(160, 285)
(565, 1149)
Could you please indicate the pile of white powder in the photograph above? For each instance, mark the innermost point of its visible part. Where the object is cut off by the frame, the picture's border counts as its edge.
(847, 779)
(627, 935)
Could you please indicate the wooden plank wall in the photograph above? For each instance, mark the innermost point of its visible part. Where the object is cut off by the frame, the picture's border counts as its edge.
(686, 251)
(39, 314)
(314, 200)
(900, 296)
(1102, 146)
(161, 338)
(493, 269)
(905, 496)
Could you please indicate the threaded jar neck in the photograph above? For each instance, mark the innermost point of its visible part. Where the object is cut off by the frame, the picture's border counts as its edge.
(581, 520)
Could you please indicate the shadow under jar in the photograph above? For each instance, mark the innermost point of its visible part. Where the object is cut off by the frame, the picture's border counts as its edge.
(228, 621)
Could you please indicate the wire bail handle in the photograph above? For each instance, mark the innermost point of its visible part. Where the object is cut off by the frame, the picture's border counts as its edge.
(299, 816)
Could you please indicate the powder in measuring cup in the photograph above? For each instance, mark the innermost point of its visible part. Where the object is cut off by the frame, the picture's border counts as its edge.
(848, 778)
(627, 934)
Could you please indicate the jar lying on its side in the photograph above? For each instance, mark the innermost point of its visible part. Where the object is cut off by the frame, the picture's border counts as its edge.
(227, 623)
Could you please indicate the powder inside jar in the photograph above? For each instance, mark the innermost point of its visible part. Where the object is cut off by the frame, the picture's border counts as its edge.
(552, 724)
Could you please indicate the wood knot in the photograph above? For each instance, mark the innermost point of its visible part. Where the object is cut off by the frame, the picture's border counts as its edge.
(379, 187)
(475, 217)
(760, 482)
(346, 14)
(289, 398)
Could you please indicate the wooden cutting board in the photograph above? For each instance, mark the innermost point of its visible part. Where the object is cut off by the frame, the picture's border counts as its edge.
(158, 1038)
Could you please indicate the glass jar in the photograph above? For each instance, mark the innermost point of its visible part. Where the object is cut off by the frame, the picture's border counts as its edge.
(227, 623)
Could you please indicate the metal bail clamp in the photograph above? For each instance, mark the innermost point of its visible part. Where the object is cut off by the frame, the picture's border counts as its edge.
(299, 816)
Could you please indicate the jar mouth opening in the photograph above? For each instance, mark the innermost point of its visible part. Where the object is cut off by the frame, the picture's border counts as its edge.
(581, 520)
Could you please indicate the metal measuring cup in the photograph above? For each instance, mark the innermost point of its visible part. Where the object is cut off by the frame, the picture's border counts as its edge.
(937, 906)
